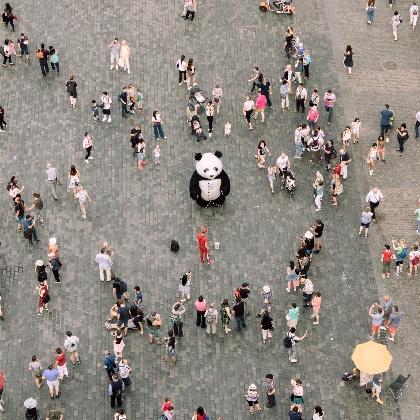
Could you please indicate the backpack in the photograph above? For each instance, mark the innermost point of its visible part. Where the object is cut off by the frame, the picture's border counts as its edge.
(403, 253)
(333, 154)
(174, 246)
(237, 292)
(287, 342)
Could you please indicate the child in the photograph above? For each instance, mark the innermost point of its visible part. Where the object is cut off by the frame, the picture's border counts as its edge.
(355, 130)
(228, 128)
(156, 155)
(138, 296)
(95, 111)
(54, 59)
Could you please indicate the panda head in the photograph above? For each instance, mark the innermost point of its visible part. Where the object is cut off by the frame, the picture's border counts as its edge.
(208, 165)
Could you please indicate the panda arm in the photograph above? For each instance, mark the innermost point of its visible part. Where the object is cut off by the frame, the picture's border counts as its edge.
(225, 184)
(195, 190)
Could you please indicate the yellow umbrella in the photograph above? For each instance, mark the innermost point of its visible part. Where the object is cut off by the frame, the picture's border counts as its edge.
(372, 357)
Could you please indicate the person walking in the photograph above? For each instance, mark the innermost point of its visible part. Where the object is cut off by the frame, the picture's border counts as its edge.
(170, 351)
(109, 364)
(52, 179)
(262, 150)
(270, 389)
(376, 313)
(29, 230)
(329, 103)
(386, 116)
(116, 391)
(239, 312)
(185, 285)
(191, 9)
(82, 196)
(181, 65)
(3, 123)
(348, 59)
(217, 94)
(106, 102)
(417, 214)
(395, 23)
(210, 116)
(55, 265)
(267, 326)
(51, 375)
(260, 104)
(36, 368)
(43, 297)
(402, 137)
(157, 126)
(387, 256)
(365, 220)
(73, 179)
(292, 315)
(417, 125)
(272, 171)
(104, 264)
(414, 259)
(252, 398)
(8, 17)
(376, 387)
(212, 317)
(87, 145)
(370, 11)
(393, 322)
(401, 253)
(7, 53)
(344, 162)
(71, 345)
(124, 58)
(55, 65)
(256, 78)
(247, 110)
(374, 198)
(114, 48)
(414, 14)
(225, 315)
(42, 54)
(372, 157)
(191, 73)
(284, 95)
(23, 44)
(37, 206)
(301, 96)
(296, 396)
(123, 99)
(177, 318)
(2, 385)
(61, 363)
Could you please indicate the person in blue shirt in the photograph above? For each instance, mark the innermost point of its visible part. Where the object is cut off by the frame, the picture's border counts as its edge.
(29, 230)
(52, 375)
(386, 116)
(109, 364)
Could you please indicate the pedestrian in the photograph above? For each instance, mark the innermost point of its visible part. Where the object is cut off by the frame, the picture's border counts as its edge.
(116, 391)
(298, 70)
(42, 55)
(288, 76)
(301, 96)
(157, 126)
(414, 14)
(211, 317)
(318, 413)
(260, 104)
(43, 297)
(348, 59)
(386, 116)
(262, 150)
(40, 270)
(104, 264)
(210, 116)
(365, 220)
(29, 230)
(270, 389)
(402, 137)
(256, 78)
(115, 53)
(307, 291)
(344, 162)
(124, 56)
(191, 9)
(32, 412)
(318, 230)
(283, 163)
(248, 110)
(307, 60)
(95, 111)
(284, 95)
(380, 150)
(3, 123)
(52, 179)
(386, 257)
(393, 323)
(292, 315)
(294, 413)
(355, 130)
(252, 397)
(118, 346)
(200, 414)
(401, 252)
(372, 157)
(239, 312)
(124, 371)
(170, 348)
(329, 103)
(316, 306)
(109, 364)
(289, 343)
(225, 315)
(297, 394)
(71, 345)
(289, 42)
(203, 246)
(82, 196)
(395, 22)
(217, 94)
(37, 206)
(55, 65)
(370, 11)
(313, 115)
(272, 171)
(267, 300)
(73, 180)
(292, 277)
(201, 307)
(376, 313)
(185, 285)
(61, 363)
(23, 44)
(191, 73)
(414, 259)
(177, 318)
(153, 323)
(140, 151)
(181, 65)
(55, 265)
(51, 375)
(119, 287)
(417, 214)
(120, 415)
(374, 198)
(36, 368)
(106, 102)
(156, 155)
(123, 99)
(2, 385)
(267, 326)
(19, 213)
(8, 16)
(318, 194)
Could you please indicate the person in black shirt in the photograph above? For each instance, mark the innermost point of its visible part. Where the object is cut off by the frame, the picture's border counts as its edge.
(119, 287)
(116, 391)
(402, 137)
(239, 309)
(20, 213)
(266, 327)
(135, 136)
(318, 229)
(265, 87)
(122, 98)
(42, 55)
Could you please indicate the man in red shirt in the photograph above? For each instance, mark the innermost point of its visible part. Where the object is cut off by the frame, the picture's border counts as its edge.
(386, 258)
(2, 383)
(203, 246)
(61, 363)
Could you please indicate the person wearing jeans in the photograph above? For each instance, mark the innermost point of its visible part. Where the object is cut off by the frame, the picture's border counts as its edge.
(157, 126)
(239, 309)
(329, 102)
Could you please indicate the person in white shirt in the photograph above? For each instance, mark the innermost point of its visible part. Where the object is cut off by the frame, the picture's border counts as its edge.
(284, 94)
(414, 13)
(217, 93)
(283, 162)
(82, 196)
(52, 180)
(181, 65)
(247, 110)
(104, 262)
(70, 344)
(106, 106)
(87, 145)
(301, 95)
(395, 22)
(374, 198)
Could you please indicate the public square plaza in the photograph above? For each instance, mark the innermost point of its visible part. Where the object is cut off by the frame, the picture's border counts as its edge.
(140, 212)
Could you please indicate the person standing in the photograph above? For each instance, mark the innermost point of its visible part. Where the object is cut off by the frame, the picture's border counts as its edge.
(265, 88)
(191, 73)
(318, 230)
(2, 385)
(386, 258)
(260, 104)
(252, 397)
(393, 323)
(329, 103)
(414, 14)
(23, 44)
(247, 110)
(417, 125)
(71, 345)
(212, 317)
(52, 178)
(292, 315)
(270, 389)
(43, 297)
(267, 325)
(316, 306)
(170, 351)
(401, 252)
(42, 54)
(284, 95)
(376, 313)
(177, 318)
(185, 285)
(157, 126)
(203, 246)
(365, 220)
(344, 162)
(370, 11)
(82, 196)
(386, 115)
(87, 145)
(106, 102)
(37, 206)
(417, 214)
(402, 137)
(201, 307)
(55, 65)
(7, 53)
(374, 198)
(191, 9)
(51, 375)
(114, 47)
(61, 363)
(116, 391)
(29, 230)
(153, 323)
(36, 368)
(226, 315)
(123, 98)
(105, 263)
(71, 87)
(125, 56)
(124, 371)
(239, 312)
(55, 265)
(217, 94)
(109, 364)
(395, 22)
(301, 96)
(210, 116)
(297, 394)
(3, 123)
(348, 59)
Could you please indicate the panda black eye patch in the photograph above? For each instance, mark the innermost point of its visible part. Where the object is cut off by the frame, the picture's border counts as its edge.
(206, 170)
(216, 169)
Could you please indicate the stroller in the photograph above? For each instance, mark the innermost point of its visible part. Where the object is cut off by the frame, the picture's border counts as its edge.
(197, 129)
(289, 181)
(196, 100)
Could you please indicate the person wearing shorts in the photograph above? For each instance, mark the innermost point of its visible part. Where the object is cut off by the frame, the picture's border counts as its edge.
(365, 220)
(377, 388)
(393, 323)
(247, 110)
(376, 313)
(292, 277)
(252, 398)
(51, 375)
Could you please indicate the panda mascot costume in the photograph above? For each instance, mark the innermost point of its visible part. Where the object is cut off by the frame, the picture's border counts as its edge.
(209, 183)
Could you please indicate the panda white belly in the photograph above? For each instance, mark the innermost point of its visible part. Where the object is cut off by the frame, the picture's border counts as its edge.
(210, 189)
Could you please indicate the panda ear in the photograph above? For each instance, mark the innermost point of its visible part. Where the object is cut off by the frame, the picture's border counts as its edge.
(198, 156)
(218, 154)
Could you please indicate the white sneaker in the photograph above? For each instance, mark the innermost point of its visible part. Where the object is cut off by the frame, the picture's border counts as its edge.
(288, 290)
(111, 67)
(370, 172)
(109, 119)
(315, 323)
(293, 361)
(104, 119)
(90, 157)
(86, 160)
(209, 135)
(128, 71)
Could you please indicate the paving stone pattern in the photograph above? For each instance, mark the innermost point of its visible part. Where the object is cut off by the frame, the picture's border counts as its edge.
(139, 213)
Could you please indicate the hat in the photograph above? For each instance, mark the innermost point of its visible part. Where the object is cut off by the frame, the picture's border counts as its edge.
(39, 263)
(266, 289)
(252, 387)
(308, 235)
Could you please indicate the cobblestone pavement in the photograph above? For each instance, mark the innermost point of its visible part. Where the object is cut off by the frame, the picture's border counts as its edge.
(139, 213)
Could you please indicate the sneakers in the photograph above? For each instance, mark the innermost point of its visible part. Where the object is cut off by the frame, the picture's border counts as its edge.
(87, 160)
(315, 323)
(288, 290)
(293, 361)
(104, 119)
(90, 157)
(370, 172)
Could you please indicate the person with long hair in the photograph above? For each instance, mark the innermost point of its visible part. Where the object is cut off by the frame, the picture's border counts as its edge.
(370, 11)
(348, 59)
